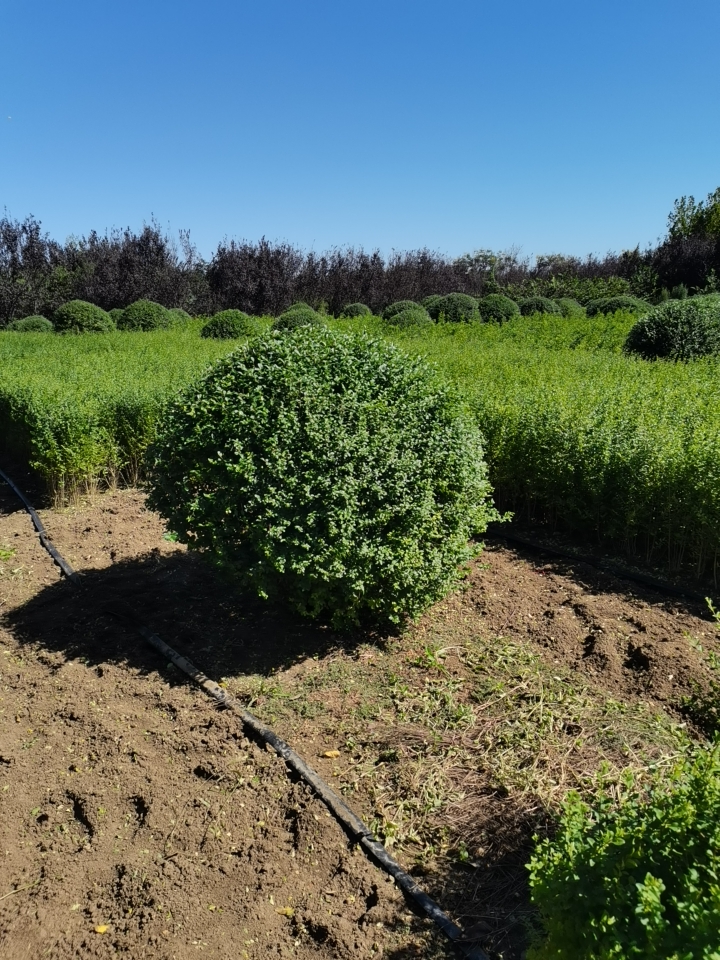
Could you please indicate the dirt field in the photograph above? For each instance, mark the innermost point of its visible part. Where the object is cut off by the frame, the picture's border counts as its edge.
(136, 818)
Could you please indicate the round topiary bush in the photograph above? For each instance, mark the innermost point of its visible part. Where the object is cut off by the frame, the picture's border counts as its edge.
(636, 880)
(416, 316)
(79, 316)
(329, 470)
(230, 325)
(396, 307)
(298, 315)
(530, 305)
(497, 307)
(115, 314)
(457, 308)
(145, 315)
(179, 315)
(677, 330)
(570, 307)
(356, 310)
(34, 324)
(613, 304)
(432, 303)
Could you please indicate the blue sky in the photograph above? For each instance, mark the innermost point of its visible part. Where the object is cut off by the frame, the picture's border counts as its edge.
(555, 127)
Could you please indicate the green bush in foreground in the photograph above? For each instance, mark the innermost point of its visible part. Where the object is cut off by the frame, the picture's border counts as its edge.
(530, 305)
(570, 307)
(458, 308)
(639, 880)
(390, 311)
(356, 310)
(230, 325)
(79, 316)
(416, 316)
(329, 470)
(677, 330)
(34, 324)
(497, 307)
(298, 315)
(613, 304)
(145, 315)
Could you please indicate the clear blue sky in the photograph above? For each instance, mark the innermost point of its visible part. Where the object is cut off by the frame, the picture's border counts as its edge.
(562, 126)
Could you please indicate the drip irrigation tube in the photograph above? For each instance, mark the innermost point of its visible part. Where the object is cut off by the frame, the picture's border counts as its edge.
(358, 830)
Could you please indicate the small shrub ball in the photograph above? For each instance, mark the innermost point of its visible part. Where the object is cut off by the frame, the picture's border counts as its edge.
(145, 315)
(328, 470)
(34, 324)
(298, 315)
(458, 308)
(432, 304)
(79, 316)
(613, 304)
(530, 305)
(677, 330)
(231, 325)
(356, 310)
(497, 307)
(115, 314)
(390, 311)
(416, 316)
(570, 307)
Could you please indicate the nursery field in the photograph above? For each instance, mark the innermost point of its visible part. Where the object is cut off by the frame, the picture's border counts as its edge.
(618, 450)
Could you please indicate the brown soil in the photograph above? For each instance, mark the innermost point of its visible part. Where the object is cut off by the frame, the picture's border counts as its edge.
(129, 805)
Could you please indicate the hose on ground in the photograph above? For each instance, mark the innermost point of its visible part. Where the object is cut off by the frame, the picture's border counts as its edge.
(354, 826)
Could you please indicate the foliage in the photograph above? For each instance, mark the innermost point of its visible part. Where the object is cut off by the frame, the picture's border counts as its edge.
(330, 470)
(431, 304)
(298, 315)
(78, 316)
(457, 308)
(356, 310)
(390, 311)
(230, 325)
(33, 324)
(638, 879)
(559, 285)
(690, 218)
(495, 306)
(613, 304)
(415, 316)
(570, 307)
(145, 315)
(180, 315)
(530, 305)
(115, 314)
(677, 330)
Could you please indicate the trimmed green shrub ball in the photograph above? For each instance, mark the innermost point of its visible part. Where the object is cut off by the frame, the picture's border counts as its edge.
(180, 315)
(432, 303)
(497, 307)
(416, 316)
(34, 324)
(396, 307)
(230, 325)
(79, 316)
(356, 310)
(530, 305)
(570, 307)
(677, 330)
(145, 315)
(328, 470)
(638, 879)
(298, 315)
(613, 304)
(457, 308)
(115, 314)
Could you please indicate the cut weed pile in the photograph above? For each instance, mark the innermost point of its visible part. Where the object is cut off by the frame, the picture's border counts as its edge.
(455, 741)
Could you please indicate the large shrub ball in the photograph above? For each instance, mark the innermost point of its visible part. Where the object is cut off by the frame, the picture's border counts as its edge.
(613, 304)
(356, 310)
(497, 307)
(530, 305)
(415, 316)
(677, 330)
(457, 308)
(230, 325)
(33, 324)
(298, 315)
(330, 470)
(145, 315)
(393, 308)
(79, 316)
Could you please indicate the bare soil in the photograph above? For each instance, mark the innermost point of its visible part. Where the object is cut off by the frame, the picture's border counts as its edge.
(136, 818)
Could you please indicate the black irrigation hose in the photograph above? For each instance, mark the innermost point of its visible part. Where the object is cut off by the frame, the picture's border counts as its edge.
(345, 816)
(606, 566)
